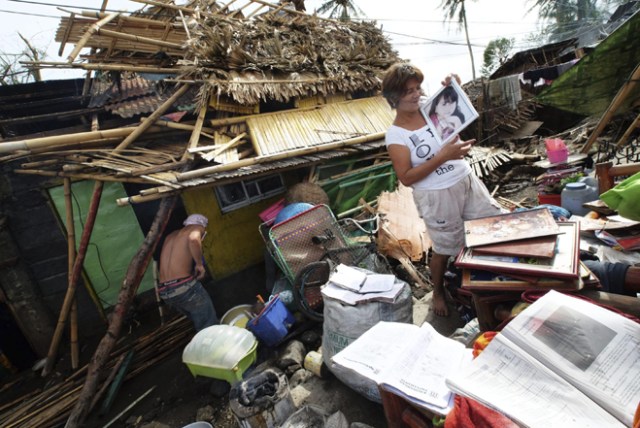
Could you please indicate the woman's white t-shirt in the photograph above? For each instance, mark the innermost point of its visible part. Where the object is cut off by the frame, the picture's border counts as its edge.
(423, 146)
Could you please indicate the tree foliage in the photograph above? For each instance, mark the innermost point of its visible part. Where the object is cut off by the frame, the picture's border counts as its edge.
(12, 72)
(568, 18)
(456, 9)
(496, 53)
(343, 10)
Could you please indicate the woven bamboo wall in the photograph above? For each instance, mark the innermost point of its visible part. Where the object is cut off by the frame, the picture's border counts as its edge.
(334, 122)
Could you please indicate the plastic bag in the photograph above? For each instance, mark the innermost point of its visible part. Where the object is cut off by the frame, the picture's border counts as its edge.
(556, 150)
(625, 197)
(345, 323)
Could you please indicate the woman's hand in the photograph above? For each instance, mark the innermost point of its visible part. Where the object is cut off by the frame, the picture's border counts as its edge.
(456, 149)
(447, 80)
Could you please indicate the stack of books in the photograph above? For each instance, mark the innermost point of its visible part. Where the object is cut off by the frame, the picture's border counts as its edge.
(521, 251)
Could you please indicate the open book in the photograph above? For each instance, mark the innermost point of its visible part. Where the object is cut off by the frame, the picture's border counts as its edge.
(562, 362)
(407, 360)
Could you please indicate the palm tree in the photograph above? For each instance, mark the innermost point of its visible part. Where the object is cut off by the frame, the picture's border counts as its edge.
(453, 8)
(570, 15)
(340, 9)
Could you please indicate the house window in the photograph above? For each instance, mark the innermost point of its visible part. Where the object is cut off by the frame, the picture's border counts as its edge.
(236, 195)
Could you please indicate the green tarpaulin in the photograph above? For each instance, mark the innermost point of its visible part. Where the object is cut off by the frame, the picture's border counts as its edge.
(588, 87)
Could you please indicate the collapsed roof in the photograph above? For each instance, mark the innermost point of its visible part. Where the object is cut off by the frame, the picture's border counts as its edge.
(266, 83)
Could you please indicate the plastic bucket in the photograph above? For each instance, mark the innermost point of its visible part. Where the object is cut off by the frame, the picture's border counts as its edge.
(558, 156)
(273, 323)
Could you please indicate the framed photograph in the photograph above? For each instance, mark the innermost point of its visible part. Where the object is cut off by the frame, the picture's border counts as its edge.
(448, 112)
(563, 264)
(482, 280)
(510, 227)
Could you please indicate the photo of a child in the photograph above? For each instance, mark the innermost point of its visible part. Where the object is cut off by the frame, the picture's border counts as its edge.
(449, 111)
(445, 113)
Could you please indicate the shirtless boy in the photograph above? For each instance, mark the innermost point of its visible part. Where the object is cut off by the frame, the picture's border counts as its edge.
(182, 268)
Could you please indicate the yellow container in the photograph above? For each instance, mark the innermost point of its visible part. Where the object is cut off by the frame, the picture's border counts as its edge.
(221, 352)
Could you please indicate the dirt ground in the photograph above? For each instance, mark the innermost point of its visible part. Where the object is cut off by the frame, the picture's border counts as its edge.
(178, 399)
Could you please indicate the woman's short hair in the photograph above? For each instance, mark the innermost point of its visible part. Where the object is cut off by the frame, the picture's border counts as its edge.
(395, 81)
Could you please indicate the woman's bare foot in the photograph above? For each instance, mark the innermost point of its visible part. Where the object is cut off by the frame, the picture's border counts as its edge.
(439, 305)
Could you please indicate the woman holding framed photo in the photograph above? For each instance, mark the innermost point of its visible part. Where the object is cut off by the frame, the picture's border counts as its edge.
(444, 189)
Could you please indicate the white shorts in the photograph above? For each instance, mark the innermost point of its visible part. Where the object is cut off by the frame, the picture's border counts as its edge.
(445, 210)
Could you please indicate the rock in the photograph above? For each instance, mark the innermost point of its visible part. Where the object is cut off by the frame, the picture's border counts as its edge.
(359, 425)
(300, 376)
(337, 420)
(292, 357)
(332, 395)
(205, 413)
(310, 338)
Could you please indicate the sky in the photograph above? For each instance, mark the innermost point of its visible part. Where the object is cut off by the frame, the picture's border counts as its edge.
(414, 27)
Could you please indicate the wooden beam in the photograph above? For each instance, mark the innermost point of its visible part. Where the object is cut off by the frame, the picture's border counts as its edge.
(75, 275)
(613, 107)
(284, 155)
(634, 125)
(195, 135)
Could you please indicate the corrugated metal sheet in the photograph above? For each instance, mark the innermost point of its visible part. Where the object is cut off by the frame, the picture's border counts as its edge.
(131, 95)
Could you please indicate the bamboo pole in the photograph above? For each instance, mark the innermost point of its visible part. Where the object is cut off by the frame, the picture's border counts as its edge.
(223, 148)
(67, 31)
(140, 39)
(58, 115)
(195, 134)
(634, 125)
(181, 126)
(71, 256)
(77, 268)
(133, 19)
(151, 196)
(129, 407)
(130, 284)
(104, 67)
(611, 110)
(158, 168)
(277, 156)
(151, 119)
(61, 140)
(83, 41)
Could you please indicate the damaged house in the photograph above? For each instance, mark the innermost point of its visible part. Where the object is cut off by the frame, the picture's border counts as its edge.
(205, 109)
(223, 109)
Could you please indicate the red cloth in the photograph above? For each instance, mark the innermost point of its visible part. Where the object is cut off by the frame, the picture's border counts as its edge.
(468, 413)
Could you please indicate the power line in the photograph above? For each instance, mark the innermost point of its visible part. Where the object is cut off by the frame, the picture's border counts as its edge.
(61, 5)
(29, 14)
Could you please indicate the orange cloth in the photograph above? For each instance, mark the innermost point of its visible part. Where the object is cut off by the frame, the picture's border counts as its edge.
(482, 341)
(467, 413)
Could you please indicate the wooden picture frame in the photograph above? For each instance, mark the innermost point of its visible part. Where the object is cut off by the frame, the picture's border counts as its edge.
(509, 227)
(564, 263)
(477, 280)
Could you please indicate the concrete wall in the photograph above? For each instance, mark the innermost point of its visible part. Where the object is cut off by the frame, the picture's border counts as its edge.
(233, 241)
